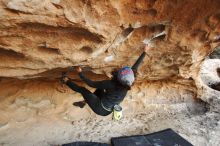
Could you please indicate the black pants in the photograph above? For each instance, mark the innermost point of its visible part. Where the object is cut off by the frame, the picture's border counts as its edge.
(92, 99)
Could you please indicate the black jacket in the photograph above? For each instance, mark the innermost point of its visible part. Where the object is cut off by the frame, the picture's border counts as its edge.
(114, 92)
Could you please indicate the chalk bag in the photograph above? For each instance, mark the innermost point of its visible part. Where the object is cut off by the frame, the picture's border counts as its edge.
(117, 112)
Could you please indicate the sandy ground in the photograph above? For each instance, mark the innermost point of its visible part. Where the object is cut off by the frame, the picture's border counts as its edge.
(190, 120)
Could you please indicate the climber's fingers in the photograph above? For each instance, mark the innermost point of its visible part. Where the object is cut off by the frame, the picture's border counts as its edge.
(147, 48)
(64, 77)
(79, 69)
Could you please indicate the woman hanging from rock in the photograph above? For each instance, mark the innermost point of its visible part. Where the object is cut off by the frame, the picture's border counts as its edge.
(108, 93)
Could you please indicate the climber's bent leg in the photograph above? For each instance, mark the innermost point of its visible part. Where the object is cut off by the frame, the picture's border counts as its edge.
(99, 92)
(91, 99)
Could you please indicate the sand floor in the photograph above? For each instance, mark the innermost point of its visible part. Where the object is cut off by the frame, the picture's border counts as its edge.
(190, 120)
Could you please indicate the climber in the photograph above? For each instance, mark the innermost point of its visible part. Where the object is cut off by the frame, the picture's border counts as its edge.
(108, 93)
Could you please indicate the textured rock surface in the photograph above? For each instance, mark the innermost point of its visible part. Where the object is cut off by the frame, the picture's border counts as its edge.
(40, 39)
(40, 36)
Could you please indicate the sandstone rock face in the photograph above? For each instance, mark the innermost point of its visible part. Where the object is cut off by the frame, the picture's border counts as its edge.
(40, 39)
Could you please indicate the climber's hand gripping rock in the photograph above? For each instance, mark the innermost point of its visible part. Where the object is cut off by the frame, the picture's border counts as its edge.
(79, 69)
(64, 78)
(147, 48)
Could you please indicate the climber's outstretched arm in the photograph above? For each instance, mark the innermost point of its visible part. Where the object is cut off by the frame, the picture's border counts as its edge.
(140, 59)
(106, 84)
(138, 62)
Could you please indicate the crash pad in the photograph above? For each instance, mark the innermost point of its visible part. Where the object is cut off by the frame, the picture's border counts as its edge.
(162, 138)
(85, 144)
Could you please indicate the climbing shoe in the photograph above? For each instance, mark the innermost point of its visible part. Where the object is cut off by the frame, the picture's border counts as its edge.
(80, 104)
